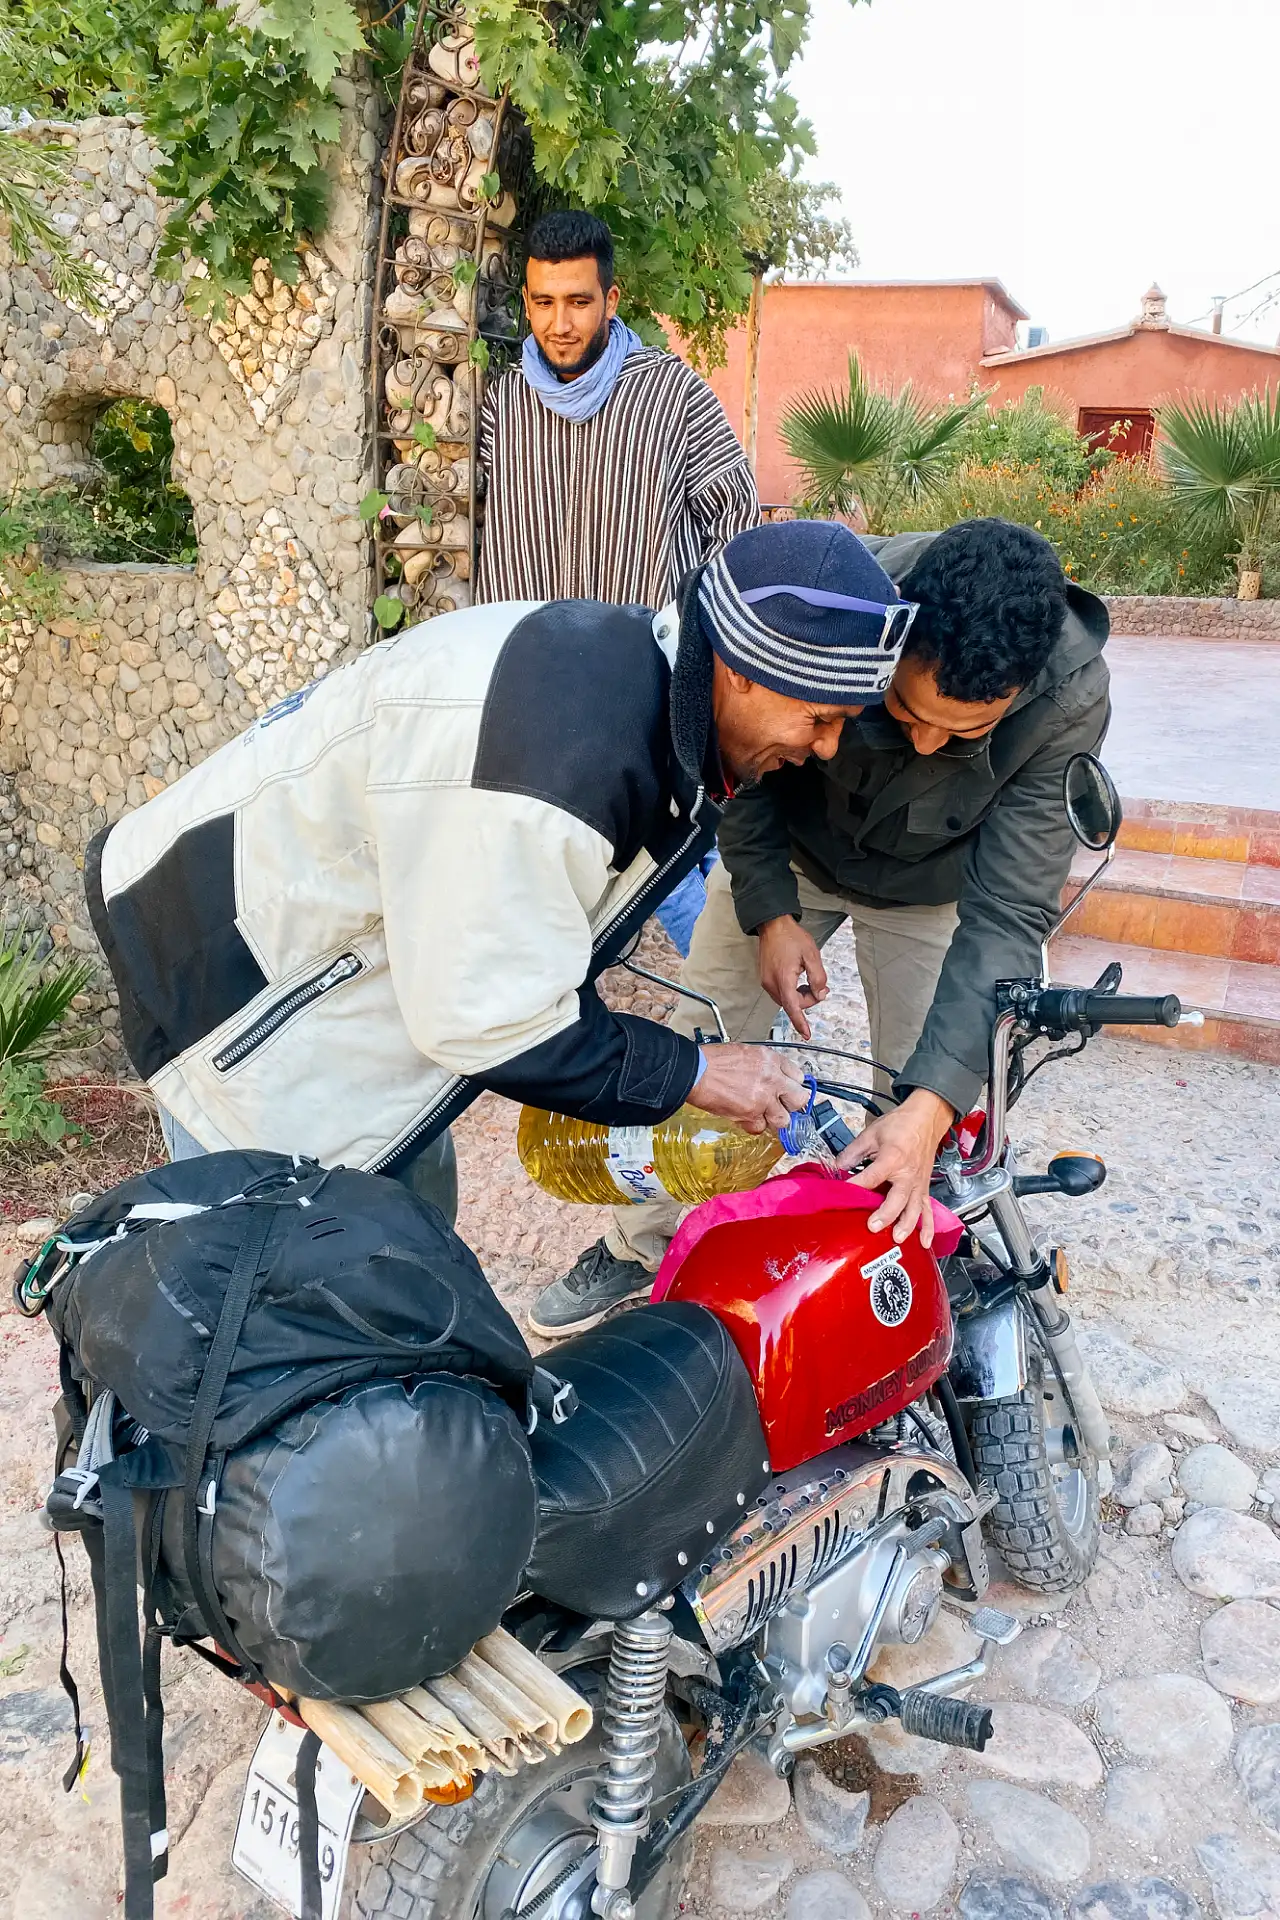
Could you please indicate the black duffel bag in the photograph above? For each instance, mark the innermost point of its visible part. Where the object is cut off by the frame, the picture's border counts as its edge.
(295, 1408)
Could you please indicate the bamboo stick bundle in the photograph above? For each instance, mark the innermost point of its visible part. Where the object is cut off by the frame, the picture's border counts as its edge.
(385, 1771)
(572, 1715)
(498, 1706)
(447, 1731)
(533, 1727)
(480, 1720)
(435, 1761)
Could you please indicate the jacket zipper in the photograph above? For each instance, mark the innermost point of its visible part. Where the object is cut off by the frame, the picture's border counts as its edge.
(656, 876)
(429, 1119)
(345, 967)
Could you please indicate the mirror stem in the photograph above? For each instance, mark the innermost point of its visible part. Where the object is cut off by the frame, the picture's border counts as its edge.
(1070, 908)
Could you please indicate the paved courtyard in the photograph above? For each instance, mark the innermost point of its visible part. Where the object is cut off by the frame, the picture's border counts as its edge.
(1135, 1773)
(1186, 723)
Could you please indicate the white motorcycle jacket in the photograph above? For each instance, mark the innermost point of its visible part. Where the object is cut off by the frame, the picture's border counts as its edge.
(395, 889)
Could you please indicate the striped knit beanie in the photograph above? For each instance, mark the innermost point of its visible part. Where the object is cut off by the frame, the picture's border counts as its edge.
(802, 606)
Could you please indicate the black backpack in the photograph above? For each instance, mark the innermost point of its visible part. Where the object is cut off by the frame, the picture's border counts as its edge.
(228, 1311)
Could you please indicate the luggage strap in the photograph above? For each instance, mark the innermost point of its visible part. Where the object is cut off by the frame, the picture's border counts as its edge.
(131, 1691)
(197, 1553)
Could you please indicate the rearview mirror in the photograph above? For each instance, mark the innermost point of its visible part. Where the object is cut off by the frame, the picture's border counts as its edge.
(1092, 803)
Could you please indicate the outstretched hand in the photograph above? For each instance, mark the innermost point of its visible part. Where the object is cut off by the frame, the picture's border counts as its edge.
(897, 1152)
(753, 1086)
(791, 970)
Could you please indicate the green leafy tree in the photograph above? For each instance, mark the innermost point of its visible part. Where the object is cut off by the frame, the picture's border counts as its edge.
(64, 59)
(790, 230)
(664, 117)
(874, 448)
(1223, 463)
(243, 118)
(240, 108)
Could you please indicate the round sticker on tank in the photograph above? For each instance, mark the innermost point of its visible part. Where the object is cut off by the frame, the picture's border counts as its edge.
(890, 1289)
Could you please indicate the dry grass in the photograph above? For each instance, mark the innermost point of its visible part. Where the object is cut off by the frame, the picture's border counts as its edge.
(119, 1135)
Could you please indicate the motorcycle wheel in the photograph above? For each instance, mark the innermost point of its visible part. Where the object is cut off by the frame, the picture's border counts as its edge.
(1047, 1521)
(512, 1840)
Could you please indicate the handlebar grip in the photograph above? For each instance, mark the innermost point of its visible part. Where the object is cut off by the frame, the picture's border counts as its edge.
(1134, 1009)
(1080, 1010)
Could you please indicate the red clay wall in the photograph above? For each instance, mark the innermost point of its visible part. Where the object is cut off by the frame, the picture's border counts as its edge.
(1141, 371)
(936, 336)
(933, 335)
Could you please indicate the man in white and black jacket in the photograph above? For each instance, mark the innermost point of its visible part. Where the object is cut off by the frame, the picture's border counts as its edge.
(396, 889)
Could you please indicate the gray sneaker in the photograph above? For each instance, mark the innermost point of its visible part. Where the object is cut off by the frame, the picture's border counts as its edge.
(597, 1282)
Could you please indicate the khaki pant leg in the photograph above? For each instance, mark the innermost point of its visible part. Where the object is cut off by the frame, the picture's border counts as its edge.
(900, 953)
(723, 962)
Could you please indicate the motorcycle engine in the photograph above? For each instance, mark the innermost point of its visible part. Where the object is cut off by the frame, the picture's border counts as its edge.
(858, 1532)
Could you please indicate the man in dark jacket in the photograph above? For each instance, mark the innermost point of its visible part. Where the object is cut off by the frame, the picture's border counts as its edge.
(937, 829)
(398, 888)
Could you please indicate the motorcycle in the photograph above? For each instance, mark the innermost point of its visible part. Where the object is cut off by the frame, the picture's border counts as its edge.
(907, 1407)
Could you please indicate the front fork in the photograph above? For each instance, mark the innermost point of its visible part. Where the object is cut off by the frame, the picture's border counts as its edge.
(1025, 1261)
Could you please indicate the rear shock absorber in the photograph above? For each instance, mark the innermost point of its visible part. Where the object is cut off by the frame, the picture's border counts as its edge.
(632, 1724)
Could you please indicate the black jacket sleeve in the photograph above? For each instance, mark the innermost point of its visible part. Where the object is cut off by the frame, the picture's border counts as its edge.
(610, 1067)
(1011, 895)
(755, 845)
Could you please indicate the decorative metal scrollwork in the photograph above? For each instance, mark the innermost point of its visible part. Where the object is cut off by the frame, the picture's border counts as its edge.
(448, 276)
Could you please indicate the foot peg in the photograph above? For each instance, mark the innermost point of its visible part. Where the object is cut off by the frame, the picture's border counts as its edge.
(933, 1716)
(930, 1716)
(989, 1623)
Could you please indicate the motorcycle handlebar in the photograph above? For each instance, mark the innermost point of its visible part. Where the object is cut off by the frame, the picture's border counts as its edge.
(1080, 1010)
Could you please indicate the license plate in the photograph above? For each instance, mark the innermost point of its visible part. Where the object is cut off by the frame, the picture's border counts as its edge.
(265, 1849)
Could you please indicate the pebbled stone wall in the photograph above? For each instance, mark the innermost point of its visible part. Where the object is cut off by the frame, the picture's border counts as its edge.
(149, 668)
(1204, 619)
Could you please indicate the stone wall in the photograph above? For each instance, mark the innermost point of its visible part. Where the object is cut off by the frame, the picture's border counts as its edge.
(150, 668)
(1204, 619)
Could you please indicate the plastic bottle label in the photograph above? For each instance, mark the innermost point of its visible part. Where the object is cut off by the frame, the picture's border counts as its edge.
(630, 1163)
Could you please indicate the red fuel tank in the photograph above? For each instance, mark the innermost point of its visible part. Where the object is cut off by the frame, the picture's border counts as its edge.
(839, 1327)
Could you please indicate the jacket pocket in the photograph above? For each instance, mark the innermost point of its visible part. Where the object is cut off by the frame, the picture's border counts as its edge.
(270, 1019)
(946, 814)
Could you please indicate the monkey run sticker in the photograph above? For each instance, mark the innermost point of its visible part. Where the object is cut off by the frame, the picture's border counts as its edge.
(890, 1289)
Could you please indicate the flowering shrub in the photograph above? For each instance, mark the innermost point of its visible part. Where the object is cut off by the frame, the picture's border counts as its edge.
(1122, 532)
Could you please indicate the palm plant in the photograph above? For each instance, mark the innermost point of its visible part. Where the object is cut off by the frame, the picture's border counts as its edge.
(1223, 463)
(34, 996)
(871, 446)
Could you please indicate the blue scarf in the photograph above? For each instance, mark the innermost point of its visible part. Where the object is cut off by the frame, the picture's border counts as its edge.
(580, 399)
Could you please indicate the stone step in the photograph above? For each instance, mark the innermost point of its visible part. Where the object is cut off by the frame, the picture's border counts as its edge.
(1201, 830)
(1240, 999)
(1180, 903)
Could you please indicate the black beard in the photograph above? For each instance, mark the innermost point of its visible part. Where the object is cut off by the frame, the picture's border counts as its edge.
(596, 346)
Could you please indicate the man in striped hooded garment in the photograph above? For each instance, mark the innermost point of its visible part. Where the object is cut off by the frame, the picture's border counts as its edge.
(610, 469)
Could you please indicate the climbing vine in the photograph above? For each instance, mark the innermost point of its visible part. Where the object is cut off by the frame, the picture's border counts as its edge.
(242, 116)
(660, 114)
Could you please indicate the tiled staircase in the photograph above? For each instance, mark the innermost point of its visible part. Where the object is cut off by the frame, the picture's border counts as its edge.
(1190, 905)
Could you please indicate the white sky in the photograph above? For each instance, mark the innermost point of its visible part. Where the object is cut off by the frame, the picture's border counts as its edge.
(1075, 149)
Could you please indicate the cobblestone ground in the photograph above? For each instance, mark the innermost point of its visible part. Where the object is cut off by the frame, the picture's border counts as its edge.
(1135, 1773)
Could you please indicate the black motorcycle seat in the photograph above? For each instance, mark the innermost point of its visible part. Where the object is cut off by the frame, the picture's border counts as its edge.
(656, 1465)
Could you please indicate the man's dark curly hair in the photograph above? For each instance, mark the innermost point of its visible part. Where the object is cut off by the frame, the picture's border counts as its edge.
(568, 234)
(992, 599)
